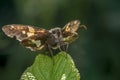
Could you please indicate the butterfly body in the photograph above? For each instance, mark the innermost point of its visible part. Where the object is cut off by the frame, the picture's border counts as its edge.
(36, 38)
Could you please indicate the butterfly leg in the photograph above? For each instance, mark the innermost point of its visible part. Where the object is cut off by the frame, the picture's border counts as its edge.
(60, 49)
(48, 48)
(66, 47)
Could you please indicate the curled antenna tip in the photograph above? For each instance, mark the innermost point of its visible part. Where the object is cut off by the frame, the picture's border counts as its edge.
(83, 26)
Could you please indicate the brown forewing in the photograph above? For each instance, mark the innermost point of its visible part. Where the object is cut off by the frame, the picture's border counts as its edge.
(22, 32)
(29, 36)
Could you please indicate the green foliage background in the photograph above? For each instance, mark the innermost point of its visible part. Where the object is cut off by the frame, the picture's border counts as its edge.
(97, 51)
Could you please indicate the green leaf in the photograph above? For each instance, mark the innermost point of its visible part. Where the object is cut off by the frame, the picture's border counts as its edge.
(59, 67)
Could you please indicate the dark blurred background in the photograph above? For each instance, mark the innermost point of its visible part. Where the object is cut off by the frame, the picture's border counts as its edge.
(97, 51)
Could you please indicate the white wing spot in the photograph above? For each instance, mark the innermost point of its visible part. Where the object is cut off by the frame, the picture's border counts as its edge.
(30, 34)
(37, 42)
(12, 26)
(23, 32)
(30, 48)
(31, 29)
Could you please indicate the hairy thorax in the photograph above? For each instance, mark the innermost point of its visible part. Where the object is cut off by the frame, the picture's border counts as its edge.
(56, 38)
